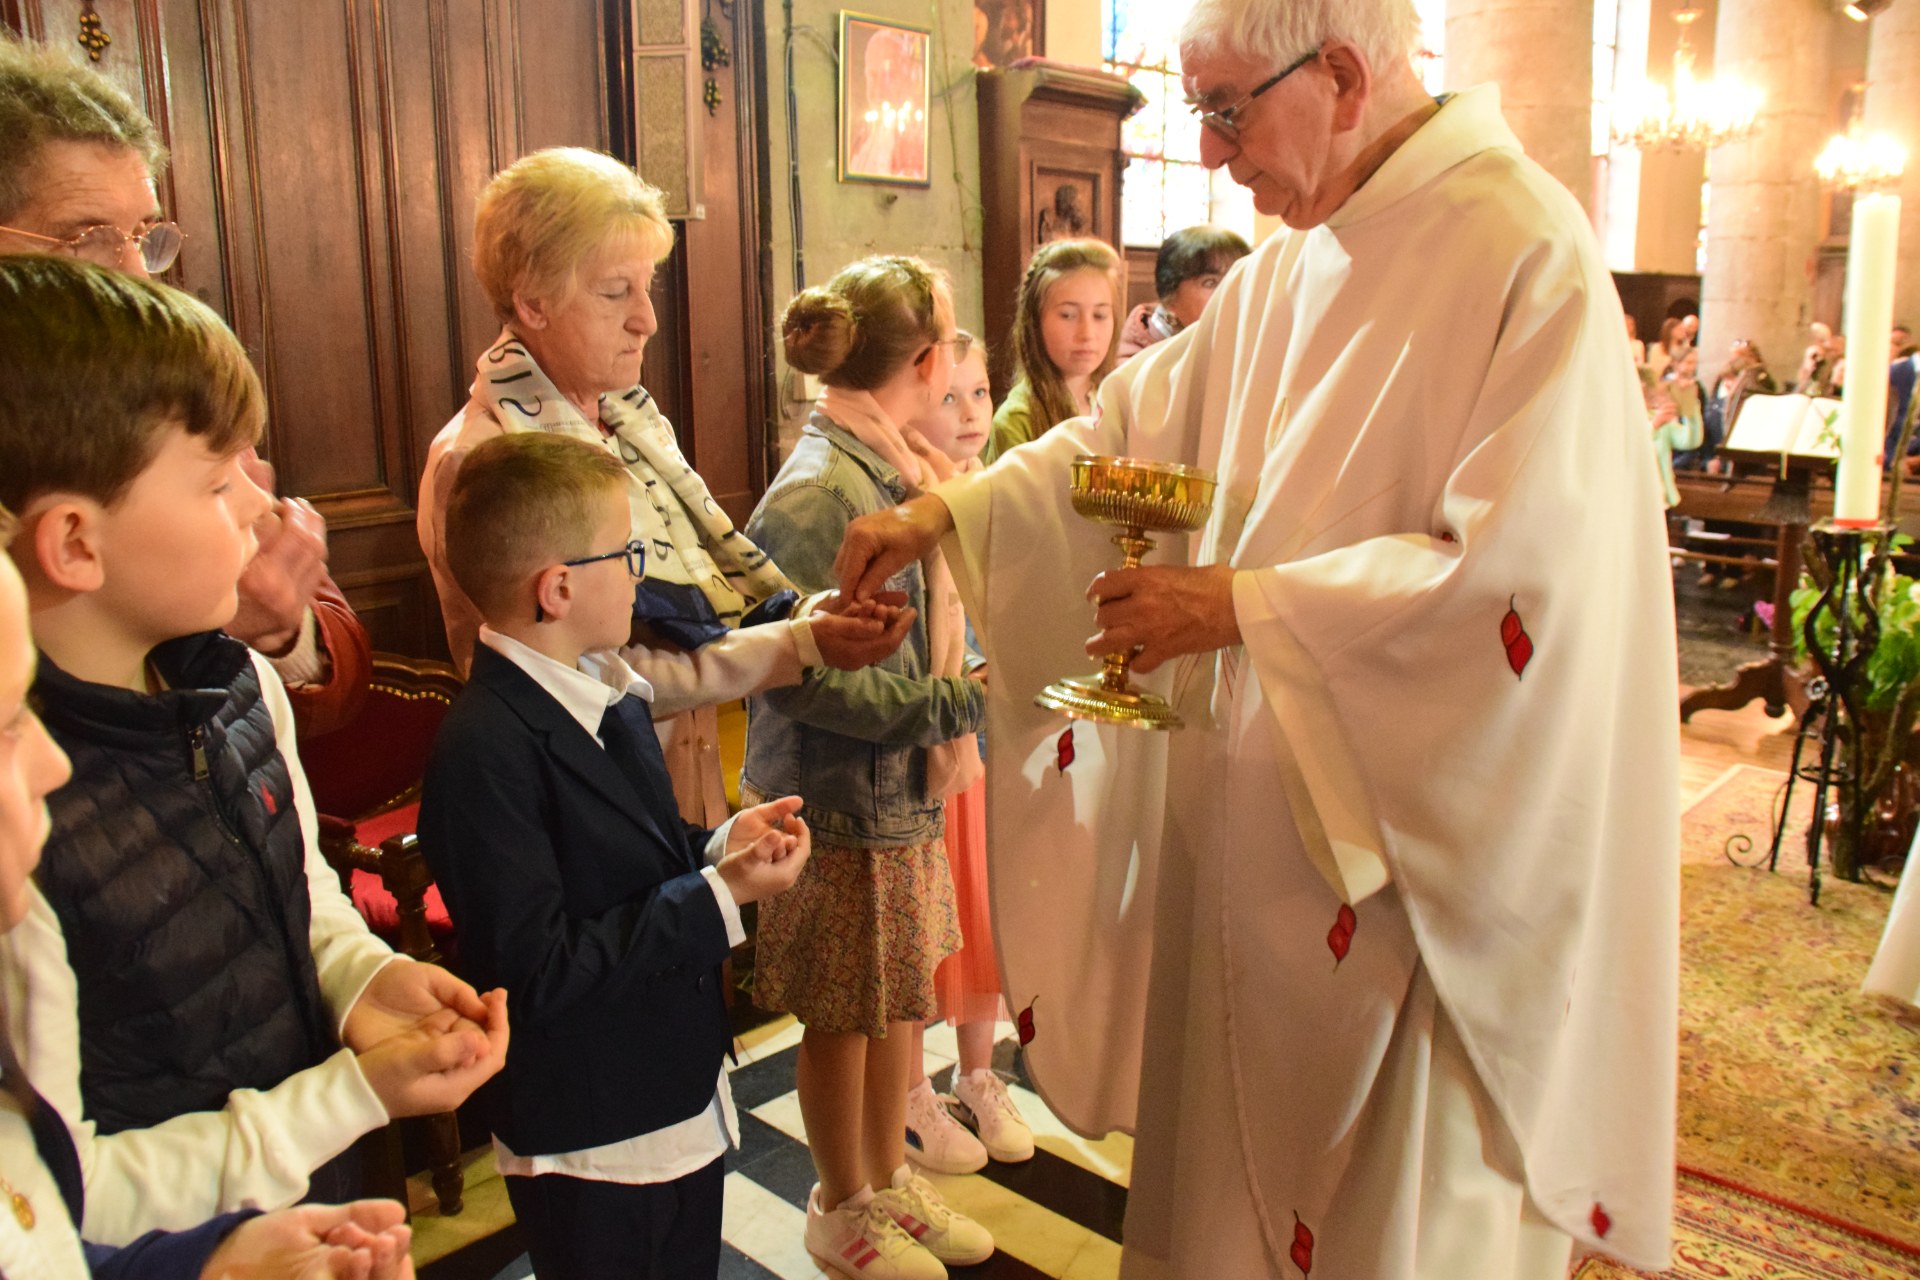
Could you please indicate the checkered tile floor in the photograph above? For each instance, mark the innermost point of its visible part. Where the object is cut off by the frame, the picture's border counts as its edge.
(1057, 1215)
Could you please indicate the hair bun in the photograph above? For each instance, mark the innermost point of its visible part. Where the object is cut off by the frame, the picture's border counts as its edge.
(819, 331)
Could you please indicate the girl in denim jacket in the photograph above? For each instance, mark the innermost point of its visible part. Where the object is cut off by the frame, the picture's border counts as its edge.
(852, 948)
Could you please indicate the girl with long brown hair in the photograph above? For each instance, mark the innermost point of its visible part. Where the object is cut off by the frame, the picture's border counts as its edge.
(1064, 339)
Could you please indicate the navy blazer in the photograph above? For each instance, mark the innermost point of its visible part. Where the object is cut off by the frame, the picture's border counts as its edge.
(574, 883)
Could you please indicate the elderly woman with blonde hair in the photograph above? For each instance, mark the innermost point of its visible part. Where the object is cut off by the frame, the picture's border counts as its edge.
(565, 245)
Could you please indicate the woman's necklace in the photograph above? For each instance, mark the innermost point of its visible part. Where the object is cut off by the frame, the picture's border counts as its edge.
(22, 1207)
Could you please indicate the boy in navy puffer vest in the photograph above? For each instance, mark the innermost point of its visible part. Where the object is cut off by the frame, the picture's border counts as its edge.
(193, 970)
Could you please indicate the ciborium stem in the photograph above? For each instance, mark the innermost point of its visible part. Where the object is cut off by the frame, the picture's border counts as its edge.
(1135, 544)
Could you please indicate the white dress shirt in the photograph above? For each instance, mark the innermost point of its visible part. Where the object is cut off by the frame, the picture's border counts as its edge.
(600, 681)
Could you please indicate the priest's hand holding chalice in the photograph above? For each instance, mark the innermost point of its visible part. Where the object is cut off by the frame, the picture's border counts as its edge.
(1146, 614)
(1137, 496)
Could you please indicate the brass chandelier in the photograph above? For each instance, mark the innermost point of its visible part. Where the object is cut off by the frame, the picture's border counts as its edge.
(1691, 114)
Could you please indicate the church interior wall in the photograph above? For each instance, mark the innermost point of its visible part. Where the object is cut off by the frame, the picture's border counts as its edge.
(842, 221)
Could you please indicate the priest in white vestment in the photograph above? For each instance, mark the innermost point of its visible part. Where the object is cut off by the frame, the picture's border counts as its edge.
(1378, 956)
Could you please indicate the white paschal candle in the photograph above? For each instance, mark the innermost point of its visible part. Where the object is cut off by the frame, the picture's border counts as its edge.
(1869, 328)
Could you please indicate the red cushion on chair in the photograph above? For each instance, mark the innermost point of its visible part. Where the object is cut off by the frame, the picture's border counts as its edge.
(380, 909)
(379, 756)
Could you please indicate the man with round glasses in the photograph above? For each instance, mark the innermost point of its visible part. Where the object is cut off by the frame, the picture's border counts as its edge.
(77, 178)
(1378, 956)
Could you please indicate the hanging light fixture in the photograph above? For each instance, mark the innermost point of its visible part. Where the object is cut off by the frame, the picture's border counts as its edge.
(1861, 10)
(1689, 115)
(1858, 162)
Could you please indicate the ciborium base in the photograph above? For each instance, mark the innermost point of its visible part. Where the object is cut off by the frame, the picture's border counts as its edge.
(1088, 698)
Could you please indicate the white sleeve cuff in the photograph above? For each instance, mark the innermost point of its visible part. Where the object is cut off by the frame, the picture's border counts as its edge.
(804, 643)
(717, 842)
(305, 663)
(729, 909)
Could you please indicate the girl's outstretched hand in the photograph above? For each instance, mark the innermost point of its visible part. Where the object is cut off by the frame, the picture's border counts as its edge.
(858, 634)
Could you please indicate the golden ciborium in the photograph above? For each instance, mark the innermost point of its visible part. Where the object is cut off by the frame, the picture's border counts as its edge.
(1137, 496)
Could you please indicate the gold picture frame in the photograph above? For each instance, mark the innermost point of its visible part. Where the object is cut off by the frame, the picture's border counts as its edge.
(885, 102)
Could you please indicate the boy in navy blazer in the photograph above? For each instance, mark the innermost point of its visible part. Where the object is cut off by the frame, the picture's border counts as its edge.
(550, 823)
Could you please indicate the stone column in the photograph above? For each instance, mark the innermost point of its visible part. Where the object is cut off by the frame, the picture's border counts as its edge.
(1763, 220)
(1540, 53)
(1893, 88)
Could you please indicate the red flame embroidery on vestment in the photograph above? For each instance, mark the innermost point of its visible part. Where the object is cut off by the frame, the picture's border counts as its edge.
(1025, 1022)
(1516, 641)
(1340, 937)
(1302, 1250)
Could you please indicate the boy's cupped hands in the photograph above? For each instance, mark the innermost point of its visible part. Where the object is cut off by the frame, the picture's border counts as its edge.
(767, 847)
(425, 1039)
(365, 1240)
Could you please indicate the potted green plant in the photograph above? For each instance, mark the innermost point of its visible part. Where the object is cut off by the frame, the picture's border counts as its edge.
(1881, 745)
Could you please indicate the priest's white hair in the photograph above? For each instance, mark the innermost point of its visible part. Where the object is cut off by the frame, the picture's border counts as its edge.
(1279, 31)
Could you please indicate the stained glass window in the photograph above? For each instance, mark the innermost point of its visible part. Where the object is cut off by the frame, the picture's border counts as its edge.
(1432, 62)
(1165, 186)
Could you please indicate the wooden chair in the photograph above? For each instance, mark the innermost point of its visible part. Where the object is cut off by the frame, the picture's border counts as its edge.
(371, 770)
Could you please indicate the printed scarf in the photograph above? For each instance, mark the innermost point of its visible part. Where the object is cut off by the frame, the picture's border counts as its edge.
(703, 574)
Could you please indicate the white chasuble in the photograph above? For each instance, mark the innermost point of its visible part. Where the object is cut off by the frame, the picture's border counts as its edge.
(1429, 804)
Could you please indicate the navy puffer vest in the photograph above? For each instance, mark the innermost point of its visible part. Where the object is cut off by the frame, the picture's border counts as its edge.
(177, 869)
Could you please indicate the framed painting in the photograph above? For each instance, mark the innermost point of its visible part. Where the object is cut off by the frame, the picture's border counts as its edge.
(1005, 31)
(883, 101)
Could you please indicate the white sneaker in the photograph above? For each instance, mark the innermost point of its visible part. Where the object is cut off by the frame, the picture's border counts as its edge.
(860, 1239)
(949, 1236)
(988, 1109)
(935, 1140)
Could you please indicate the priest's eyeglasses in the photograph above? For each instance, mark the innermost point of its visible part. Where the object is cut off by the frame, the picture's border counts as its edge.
(158, 244)
(1226, 121)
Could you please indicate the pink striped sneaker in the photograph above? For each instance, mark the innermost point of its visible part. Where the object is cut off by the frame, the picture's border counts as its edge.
(861, 1240)
(949, 1236)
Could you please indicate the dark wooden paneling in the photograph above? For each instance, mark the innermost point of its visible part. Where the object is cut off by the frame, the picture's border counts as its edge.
(1041, 128)
(730, 347)
(709, 365)
(1648, 296)
(326, 157)
(1140, 285)
(325, 161)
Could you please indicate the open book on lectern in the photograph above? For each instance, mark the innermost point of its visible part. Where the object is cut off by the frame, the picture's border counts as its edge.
(1806, 426)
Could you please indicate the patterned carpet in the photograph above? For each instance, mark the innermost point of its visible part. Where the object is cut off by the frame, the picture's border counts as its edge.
(1799, 1106)
(1726, 1233)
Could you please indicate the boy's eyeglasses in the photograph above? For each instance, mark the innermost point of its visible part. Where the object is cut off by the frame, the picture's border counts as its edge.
(635, 554)
(1226, 121)
(159, 244)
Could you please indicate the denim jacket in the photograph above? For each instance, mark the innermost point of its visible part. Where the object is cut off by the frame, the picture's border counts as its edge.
(852, 744)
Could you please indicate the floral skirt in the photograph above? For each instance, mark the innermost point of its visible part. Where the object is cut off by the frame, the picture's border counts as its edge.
(855, 943)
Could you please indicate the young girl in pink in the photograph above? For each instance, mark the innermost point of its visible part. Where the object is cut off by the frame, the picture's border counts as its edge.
(948, 442)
